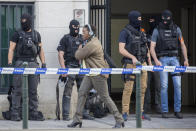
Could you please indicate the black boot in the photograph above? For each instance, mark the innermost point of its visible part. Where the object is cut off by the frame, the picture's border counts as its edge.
(165, 115)
(119, 125)
(6, 115)
(66, 118)
(74, 124)
(178, 115)
(36, 116)
(15, 117)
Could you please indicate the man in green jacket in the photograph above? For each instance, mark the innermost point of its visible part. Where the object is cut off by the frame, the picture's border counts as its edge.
(93, 57)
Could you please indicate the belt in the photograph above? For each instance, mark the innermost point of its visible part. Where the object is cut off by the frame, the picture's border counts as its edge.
(169, 55)
(72, 65)
(27, 59)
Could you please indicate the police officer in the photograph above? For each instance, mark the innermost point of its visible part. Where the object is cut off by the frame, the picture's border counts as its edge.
(27, 46)
(153, 91)
(167, 38)
(67, 48)
(133, 47)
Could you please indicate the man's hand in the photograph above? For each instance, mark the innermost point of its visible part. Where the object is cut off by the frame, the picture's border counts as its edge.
(10, 65)
(186, 63)
(134, 60)
(150, 64)
(80, 46)
(158, 63)
(43, 65)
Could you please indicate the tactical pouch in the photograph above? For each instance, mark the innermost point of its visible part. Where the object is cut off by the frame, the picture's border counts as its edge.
(127, 77)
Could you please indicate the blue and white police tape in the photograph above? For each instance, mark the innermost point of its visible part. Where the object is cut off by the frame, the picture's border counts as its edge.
(94, 71)
(189, 69)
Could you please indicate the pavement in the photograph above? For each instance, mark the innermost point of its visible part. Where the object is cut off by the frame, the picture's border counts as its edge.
(106, 124)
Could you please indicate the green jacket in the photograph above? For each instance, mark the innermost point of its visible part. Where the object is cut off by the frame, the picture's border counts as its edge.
(92, 54)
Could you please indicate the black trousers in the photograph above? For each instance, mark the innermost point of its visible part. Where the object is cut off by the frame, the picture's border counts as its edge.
(32, 89)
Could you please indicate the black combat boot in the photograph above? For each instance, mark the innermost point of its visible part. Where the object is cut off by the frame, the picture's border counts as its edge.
(15, 117)
(36, 116)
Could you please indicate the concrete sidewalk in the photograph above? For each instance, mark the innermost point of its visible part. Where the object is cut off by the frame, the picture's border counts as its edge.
(106, 123)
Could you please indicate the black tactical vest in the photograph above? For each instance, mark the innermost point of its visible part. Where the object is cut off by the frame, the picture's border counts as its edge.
(167, 43)
(27, 46)
(72, 44)
(136, 45)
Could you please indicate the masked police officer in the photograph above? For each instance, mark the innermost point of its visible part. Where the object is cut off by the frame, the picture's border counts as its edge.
(167, 38)
(153, 91)
(27, 46)
(133, 47)
(67, 48)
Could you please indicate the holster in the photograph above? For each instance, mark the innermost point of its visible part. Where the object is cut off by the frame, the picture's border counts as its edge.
(127, 77)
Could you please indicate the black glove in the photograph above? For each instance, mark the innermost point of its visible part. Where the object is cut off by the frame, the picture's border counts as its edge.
(10, 65)
(43, 65)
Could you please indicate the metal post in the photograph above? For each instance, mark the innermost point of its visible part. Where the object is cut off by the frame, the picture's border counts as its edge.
(25, 99)
(138, 100)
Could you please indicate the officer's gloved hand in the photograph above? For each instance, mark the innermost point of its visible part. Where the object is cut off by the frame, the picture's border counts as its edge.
(10, 65)
(43, 65)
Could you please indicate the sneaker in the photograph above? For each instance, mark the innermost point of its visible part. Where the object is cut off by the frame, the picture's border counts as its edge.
(145, 117)
(165, 115)
(178, 115)
(119, 125)
(125, 116)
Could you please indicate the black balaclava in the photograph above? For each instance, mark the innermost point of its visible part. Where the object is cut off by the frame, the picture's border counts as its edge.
(73, 30)
(133, 19)
(165, 15)
(152, 24)
(26, 26)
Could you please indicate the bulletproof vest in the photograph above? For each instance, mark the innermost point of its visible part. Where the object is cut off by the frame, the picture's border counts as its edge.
(27, 46)
(72, 44)
(167, 43)
(136, 43)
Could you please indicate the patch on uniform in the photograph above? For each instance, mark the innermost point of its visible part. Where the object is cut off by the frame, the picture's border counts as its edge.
(77, 42)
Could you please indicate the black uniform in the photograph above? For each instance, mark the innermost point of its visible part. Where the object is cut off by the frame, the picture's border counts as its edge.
(69, 45)
(27, 49)
(136, 45)
(153, 91)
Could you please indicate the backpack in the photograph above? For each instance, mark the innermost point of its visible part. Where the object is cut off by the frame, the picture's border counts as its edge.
(96, 106)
